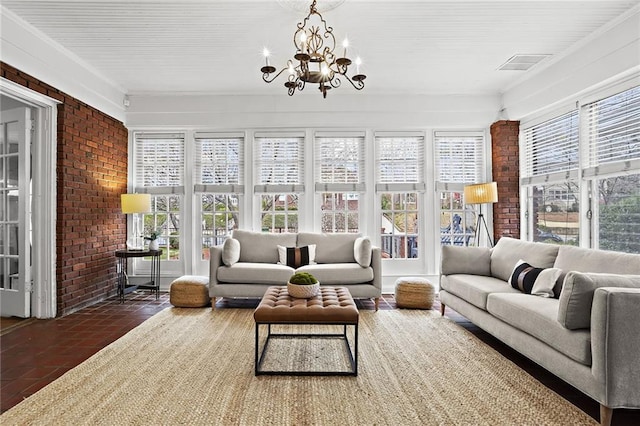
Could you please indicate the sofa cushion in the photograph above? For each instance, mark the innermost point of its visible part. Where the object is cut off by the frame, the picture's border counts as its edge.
(535, 281)
(330, 248)
(576, 297)
(474, 288)
(230, 251)
(362, 251)
(297, 256)
(339, 273)
(261, 247)
(508, 251)
(537, 316)
(589, 260)
(255, 273)
(466, 260)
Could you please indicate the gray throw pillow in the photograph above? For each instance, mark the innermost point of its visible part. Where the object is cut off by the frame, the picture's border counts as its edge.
(362, 251)
(230, 251)
(576, 297)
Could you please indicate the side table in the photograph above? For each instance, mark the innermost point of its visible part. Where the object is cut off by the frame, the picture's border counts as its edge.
(124, 287)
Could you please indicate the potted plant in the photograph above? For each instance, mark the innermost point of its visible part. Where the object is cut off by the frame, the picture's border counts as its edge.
(303, 285)
(153, 240)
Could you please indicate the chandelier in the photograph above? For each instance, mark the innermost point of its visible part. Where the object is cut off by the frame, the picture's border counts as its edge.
(315, 60)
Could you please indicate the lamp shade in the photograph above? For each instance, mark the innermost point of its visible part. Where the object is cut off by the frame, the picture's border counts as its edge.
(481, 193)
(135, 203)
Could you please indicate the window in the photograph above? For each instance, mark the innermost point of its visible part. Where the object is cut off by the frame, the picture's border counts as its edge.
(219, 171)
(549, 179)
(339, 180)
(460, 160)
(612, 132)
(159, 171)
(279, 181)
(399, 183)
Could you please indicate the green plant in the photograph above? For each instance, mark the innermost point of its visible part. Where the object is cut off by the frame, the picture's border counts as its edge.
(152, 236)
(303, 278)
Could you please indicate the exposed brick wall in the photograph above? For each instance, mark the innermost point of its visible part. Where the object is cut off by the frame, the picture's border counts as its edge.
(506, 172)
(91, 173)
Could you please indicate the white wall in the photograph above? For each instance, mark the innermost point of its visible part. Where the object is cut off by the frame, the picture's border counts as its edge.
(610, 54)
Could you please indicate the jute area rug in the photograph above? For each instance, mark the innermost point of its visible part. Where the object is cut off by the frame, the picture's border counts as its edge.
(195, 366)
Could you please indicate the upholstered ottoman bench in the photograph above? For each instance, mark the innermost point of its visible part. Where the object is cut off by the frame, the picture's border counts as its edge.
(414, 292)
(189, 291)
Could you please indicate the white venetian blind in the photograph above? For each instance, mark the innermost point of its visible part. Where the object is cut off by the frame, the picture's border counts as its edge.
(339, 162)
(279, 163)
(159, 163)
(612, 128)
(550, 150)
(460, 159)
(219, 162)
(400, 162)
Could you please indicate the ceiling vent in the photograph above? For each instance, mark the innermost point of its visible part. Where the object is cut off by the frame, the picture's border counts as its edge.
(521, 62)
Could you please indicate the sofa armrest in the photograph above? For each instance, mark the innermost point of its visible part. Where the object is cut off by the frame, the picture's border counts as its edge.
(376, 265)
(614, 344)
(465, 260)
(215, 260)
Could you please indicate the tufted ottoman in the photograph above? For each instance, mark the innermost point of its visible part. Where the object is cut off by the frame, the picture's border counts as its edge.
(332, 306)
(414, 292)
(189, 291)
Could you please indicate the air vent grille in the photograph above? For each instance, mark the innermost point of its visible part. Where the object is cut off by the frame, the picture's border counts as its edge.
(521, 62)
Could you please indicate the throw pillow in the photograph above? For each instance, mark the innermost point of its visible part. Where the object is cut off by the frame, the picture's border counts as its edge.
(362, 251)
(296, 257)
(230, 251)
(535, 281)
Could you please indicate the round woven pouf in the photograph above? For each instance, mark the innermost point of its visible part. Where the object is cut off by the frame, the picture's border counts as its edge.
(189, 291)
(414, 293)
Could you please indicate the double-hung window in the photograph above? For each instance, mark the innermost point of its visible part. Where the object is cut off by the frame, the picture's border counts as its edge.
(549, 179)
(279, 179)
(611, 127)
(400, 185)
(218, 189)
(460, 161)
(159, 171)
(339, 180)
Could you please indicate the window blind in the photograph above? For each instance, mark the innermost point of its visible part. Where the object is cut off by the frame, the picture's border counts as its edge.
(612, 129)
(279, 164)
(400, 163)
(550, 150)
(339, 163)
(159, 163)
(219, 163)
(460, 159)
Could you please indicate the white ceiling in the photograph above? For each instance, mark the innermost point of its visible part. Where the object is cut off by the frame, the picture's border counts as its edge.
(215, 46)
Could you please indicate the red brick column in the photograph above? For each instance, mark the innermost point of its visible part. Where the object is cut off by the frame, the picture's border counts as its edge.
(506, 172)
(91, 173)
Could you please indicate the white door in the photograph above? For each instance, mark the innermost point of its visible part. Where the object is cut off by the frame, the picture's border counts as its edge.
(15, 213)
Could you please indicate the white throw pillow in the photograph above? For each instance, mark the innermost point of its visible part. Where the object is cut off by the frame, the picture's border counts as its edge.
(362, 251)
(296, 257)
(230, 251)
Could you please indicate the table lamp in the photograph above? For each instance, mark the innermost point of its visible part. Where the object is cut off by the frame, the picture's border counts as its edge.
(481, 193)
(136, 204)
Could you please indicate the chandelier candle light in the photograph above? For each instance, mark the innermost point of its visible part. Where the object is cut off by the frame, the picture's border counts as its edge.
(481, 193)
(315, 60)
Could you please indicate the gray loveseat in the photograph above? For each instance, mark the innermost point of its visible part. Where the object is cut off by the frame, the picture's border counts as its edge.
(249, 262)
(586, 331)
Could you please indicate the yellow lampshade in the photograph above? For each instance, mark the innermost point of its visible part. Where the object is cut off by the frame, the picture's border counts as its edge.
(481, 193)
(135, 203)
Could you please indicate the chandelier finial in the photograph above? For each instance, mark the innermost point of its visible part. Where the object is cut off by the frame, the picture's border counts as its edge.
(315, 59)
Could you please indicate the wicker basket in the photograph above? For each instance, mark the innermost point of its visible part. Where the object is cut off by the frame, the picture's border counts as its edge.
(303, 291)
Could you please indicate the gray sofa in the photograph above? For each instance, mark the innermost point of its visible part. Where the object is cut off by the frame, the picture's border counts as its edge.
(586, 331)
(249, 262)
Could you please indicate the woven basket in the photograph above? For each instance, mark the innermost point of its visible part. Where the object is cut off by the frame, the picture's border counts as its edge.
(303, 291)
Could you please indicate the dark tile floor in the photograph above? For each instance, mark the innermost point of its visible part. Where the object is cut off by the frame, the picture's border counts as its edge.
(34, 353)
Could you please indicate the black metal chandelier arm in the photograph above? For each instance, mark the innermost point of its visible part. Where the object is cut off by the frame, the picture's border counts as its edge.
(335, 82)
(265, 75)
(358, 84)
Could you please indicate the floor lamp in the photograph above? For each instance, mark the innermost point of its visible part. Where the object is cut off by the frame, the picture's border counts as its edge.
(481, 193)
(136, 204)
